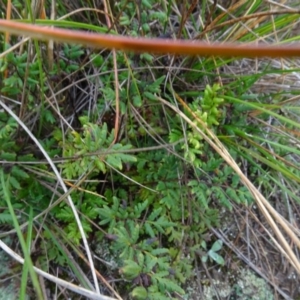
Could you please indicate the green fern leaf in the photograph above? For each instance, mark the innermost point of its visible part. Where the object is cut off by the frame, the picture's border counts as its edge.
(106, 214)
(150, 262)
(159, 251)
(14, 182)
(149, 230)
(140, 258)
(155, 213)
(139, 208)
(169, 285)
(8, 156)
(131, 270)
(114, 160)
(135, 234)
(16, 171)
(139, 293)
(100, 165)
(6, 218)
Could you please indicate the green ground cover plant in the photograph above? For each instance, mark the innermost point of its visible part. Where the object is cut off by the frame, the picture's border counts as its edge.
(143, 194)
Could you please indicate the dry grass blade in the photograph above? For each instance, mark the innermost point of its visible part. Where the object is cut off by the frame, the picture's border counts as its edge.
(14, 47)
(244, 18)
(239, 254)
(68, 285)
(69, 199)
(262, 203)
(50, 45)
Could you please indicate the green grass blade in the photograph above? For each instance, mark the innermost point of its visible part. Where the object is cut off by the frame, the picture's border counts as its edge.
(55, 240)
(68, 24)
(261, 108)
(25, 266)
(26, 253)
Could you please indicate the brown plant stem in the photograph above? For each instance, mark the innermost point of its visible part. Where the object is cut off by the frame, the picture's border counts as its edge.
(150, 45)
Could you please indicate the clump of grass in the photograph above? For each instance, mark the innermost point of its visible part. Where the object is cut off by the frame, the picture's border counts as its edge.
(149, 152)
